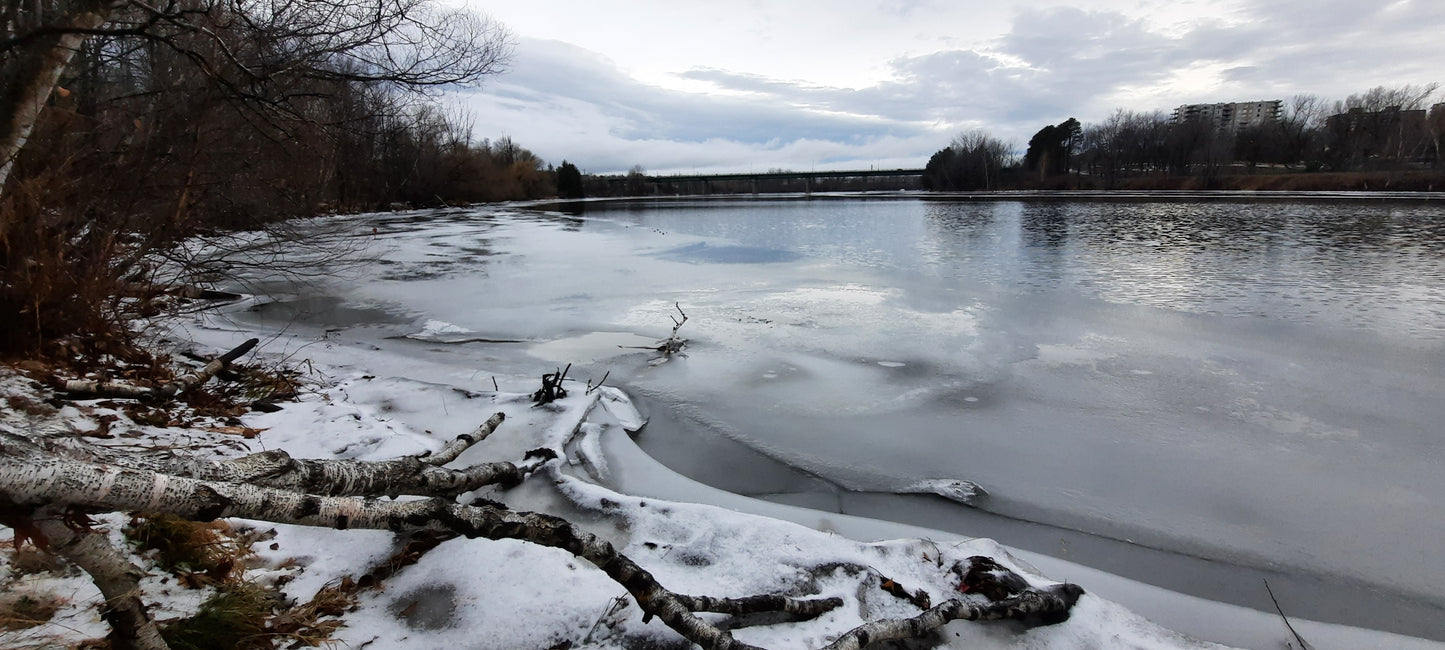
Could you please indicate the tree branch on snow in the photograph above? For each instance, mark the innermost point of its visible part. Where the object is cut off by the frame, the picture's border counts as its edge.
(338, 494)
(463, 442)
(1032, 603)
(410, 475)
(89, 388)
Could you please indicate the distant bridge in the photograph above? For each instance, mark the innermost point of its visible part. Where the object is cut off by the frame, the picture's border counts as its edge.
(771, 182)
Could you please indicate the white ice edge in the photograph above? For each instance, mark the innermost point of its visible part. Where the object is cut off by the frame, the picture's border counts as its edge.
(620, 407)
(634, 473)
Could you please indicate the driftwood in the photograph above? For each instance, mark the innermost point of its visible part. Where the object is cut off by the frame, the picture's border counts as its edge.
(46, 483)
(552, 389)
(671, 345)
(421, 475)
(89, 388)
(49, 483)
(1030, 604)
(142, 290)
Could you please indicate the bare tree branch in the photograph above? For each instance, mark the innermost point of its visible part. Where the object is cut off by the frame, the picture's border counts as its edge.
(1048, 602)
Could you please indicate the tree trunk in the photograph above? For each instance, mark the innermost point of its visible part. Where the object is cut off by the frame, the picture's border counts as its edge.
(31, 70)
(30, 477)
(131, 627)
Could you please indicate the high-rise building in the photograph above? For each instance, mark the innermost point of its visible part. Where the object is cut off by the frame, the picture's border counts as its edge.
(1231, 116)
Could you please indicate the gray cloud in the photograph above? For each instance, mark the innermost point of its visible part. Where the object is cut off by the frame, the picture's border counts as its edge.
(1055, 63)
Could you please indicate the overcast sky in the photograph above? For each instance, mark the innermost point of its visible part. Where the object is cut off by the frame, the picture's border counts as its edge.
(681, 86)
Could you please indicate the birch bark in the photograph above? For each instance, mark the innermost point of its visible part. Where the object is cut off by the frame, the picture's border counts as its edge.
(32, 67)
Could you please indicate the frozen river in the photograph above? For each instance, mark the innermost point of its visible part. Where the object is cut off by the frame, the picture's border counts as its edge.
(1194, 393)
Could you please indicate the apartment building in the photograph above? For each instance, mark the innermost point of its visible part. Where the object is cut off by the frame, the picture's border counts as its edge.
(1231, 116)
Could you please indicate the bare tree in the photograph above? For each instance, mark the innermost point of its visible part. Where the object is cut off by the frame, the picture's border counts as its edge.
(1300, 127)
(266, 53)
(1408, 97)
(1437, 131)
(1381, 127)
(973, 161)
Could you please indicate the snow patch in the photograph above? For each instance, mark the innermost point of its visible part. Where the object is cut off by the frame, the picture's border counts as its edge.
(965, 492)
(620, 407)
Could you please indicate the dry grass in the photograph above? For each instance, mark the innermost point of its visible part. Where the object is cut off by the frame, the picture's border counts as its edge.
(303, 625)
(28, 406)
(233, 619)
(197, 553)
(19, 611)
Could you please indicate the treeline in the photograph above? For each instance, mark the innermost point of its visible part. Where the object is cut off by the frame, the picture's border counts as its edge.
(637, 183)
(1385, 133)
(181, 116)
(128, 126)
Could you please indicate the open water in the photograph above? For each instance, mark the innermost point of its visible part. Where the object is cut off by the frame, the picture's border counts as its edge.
(1196, 393)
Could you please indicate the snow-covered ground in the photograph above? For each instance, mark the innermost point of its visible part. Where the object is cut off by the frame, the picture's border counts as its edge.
(374, 401)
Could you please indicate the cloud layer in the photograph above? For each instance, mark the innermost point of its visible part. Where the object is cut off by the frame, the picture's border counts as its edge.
(564, 101)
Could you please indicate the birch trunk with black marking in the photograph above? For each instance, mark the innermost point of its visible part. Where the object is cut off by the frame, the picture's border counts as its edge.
(86, 388)
(410, 475)
(118, 580)
(32, 67)
(38, 479)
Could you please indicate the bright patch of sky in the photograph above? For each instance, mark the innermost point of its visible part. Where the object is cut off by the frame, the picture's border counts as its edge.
(705, 86)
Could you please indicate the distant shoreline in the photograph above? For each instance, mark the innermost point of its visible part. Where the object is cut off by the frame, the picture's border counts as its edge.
(1269, 181)
(1261, 181)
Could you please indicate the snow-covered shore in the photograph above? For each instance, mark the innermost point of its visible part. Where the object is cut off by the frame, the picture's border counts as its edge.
(377, 399)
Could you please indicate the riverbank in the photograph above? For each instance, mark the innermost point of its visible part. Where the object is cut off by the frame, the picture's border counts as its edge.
(372, 398)
(368, 402)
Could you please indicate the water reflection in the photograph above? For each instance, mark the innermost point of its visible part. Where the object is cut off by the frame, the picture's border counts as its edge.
(1338, 264)
(1045, 225)
(1347, 265)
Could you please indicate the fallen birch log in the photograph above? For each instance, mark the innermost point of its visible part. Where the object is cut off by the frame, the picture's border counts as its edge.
(44, 485)
(90, 388)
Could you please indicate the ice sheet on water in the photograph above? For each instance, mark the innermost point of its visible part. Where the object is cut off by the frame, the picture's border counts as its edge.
(591, 347)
